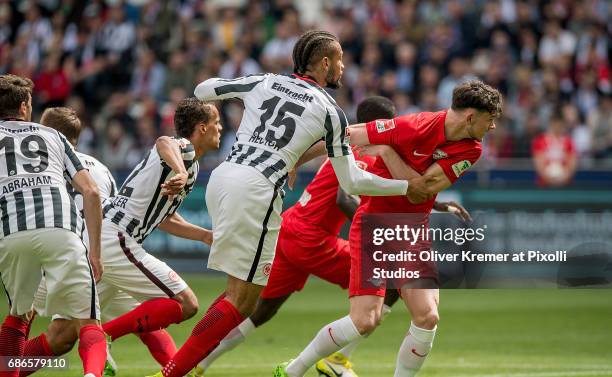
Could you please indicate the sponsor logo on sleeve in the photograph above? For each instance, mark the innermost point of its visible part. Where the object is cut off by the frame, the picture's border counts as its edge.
(461, 166)
(439, 154)
(384, 125)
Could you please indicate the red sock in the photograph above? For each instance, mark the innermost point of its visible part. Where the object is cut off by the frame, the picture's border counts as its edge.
(149, 316)
(12, 341)
(92, 349)
(160, 344)
(36, 347)
(218, 321)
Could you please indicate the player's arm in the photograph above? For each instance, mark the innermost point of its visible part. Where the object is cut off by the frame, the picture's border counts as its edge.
(170, 152)
(218, 89)
(176, 225)
(352, 179)
(82, 181)
(347, 203)
(454, 208)
(399, 170)
(358, 134)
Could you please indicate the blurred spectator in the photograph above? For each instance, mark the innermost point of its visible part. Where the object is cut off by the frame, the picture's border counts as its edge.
(600, 124)
(554, 155)
(149, 76)
(239, 64)
(118, 145)
(120, 61)
(52, 84)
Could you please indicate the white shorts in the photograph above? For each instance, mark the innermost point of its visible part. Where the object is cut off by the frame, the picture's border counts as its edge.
(128, 268)
(113, 307)
(245, 210)
(62, 256)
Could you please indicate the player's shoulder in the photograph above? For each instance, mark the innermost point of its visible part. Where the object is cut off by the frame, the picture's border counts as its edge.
(90, 161)
(472, 147)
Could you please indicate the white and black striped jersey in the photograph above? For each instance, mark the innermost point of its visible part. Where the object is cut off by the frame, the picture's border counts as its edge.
(284, 115)
(100, 174)
(33, 162)
(139, 206)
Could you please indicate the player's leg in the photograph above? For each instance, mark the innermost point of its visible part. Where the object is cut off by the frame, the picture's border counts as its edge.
(72, 294)
(364, 317)
(423, 306)
(284, 279)
(245, 211)
(20, 273)
(159, 343)
(164, 296)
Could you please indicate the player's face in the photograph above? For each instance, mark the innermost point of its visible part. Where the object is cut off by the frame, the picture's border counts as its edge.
(479, 123)
(336, 68)
(213, 130)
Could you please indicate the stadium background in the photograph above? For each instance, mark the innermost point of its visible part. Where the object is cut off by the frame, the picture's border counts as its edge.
(125, 65)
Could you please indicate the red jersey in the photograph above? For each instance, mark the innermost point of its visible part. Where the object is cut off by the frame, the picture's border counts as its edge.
(420, 141)
(316, 218)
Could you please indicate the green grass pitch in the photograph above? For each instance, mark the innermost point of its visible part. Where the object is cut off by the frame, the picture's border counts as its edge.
(492, 333)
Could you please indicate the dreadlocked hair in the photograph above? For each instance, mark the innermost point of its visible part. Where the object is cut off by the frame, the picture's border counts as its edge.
(311, 47)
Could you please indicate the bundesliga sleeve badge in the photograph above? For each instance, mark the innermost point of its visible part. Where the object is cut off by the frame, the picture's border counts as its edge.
(461, 166)
(384, 125)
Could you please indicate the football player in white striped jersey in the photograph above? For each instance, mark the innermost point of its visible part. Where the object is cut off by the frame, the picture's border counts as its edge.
(283, 117)
(61, 334)
(41, 229)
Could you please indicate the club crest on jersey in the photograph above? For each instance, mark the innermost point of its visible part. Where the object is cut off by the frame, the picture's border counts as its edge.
(267, 268)
(439, 154)
(361, 164)
(461, 166)
(384, 125)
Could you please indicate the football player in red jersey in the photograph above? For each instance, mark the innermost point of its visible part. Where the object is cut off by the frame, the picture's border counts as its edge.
(308, 244)
(438, 148)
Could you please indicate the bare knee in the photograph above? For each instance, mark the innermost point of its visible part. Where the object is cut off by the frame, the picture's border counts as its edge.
(189, 303)
(62, 335)
(366, 322)
(426, 320)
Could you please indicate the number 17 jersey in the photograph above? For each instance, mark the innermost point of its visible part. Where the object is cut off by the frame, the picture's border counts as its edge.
(284, 115)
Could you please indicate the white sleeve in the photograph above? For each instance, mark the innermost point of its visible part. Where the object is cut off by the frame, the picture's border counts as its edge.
(356, 181)
(217, 89)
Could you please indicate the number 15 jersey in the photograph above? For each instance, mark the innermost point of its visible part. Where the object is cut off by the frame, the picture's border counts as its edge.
(283, 116)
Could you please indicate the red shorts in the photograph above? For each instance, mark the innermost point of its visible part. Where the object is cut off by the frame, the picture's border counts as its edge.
(331, 261)
(427, 270)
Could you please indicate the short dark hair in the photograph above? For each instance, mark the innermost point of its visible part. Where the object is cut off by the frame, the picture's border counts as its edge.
(311, 47)
(376, 107)
(477, 95)
(190, 112)
(13, 91)
(64, 120)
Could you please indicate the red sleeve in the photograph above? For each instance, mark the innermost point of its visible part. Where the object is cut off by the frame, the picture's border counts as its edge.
(462, 155)
(537, 145)
(396, 131)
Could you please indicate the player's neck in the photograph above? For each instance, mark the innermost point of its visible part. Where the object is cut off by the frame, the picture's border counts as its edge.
(318, 78)
(455, 127)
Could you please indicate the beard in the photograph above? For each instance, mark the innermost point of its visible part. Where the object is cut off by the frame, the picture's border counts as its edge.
(331, 83)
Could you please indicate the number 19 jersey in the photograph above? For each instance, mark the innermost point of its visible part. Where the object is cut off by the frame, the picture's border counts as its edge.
(283, 117)
(33, 195)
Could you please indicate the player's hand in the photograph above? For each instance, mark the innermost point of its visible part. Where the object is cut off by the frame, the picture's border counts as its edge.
(417, 191)
(372, 150)
(291, 178)
(174, 185)
(97, 267)
(207, 237)
(454, 208)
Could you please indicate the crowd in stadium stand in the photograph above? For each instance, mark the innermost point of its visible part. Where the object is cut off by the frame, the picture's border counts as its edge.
(124, 65)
